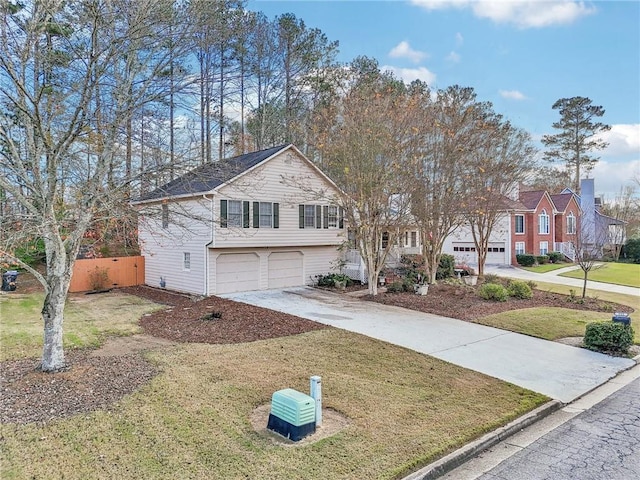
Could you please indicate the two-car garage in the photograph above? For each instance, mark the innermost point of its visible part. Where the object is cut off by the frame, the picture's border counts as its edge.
(259, 269)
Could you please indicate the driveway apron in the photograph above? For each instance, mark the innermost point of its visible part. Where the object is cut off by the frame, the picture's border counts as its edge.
(559, 371)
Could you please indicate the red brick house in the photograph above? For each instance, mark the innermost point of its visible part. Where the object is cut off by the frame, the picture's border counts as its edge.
(533, 228)
(545, 224)
(566, 222)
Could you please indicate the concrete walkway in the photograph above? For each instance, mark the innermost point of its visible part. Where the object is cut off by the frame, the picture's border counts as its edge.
(559, 371)
(553, 277)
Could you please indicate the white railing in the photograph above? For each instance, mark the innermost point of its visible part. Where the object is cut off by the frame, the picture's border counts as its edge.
(566, 248)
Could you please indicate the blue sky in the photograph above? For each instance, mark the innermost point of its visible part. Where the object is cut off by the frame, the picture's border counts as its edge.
(520, 55)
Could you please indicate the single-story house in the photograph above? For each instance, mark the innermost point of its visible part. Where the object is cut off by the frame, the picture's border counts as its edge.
(266, 219)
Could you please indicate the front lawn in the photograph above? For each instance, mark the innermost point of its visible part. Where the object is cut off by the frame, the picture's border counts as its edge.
(627, 274)
(88, 319)
(192, 421)
(547, 323)
(547, 267)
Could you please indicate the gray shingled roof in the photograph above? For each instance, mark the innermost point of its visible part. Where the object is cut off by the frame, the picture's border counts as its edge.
(211, 175)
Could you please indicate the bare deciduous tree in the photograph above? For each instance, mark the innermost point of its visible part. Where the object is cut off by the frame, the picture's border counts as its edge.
(59, 151)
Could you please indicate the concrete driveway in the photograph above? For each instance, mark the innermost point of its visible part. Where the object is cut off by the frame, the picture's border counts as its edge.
(559, 371)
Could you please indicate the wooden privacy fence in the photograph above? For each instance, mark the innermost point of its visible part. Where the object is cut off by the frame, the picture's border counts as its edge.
(114, 272)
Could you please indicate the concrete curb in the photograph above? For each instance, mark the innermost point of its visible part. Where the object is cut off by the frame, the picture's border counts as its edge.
(460, 456)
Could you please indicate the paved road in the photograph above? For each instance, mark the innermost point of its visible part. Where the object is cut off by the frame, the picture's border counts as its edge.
(602, 443)
(558, 371)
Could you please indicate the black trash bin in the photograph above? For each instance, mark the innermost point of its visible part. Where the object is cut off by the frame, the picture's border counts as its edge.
(621, 317)
(9, 280)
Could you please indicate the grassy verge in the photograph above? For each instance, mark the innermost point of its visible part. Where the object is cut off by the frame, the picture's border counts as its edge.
(547, 323)
(554, 323)
(88, 319)
(405, 409)
(627, 274)
(547, 267)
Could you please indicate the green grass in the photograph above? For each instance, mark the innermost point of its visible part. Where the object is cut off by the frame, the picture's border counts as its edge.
(88, 320)
(627, 274)
(547, 267)
(553, 323)
(192, 421)
(545, 322)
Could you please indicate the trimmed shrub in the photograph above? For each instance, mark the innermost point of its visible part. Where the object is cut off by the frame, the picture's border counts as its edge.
(395, 287)
(493, 278)
(330, 280)
(556, 257)
(608, 337)
(542, 259)
(632, 250)
(526, 260)
(493, 291)
(519, 289)
(445, 266)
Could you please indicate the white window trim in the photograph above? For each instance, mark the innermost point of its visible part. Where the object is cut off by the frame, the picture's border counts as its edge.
(265, 220)
(517, 250)
(572, 223)
(335, 216)
(515, 227)
(186, 261)
(231, 216)
(545, 249)
(541, 223)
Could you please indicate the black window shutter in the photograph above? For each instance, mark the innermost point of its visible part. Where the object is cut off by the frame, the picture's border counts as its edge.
(318, 216)
(276, 215)
(325, 215)
(256, 214)
(301, 215)
(223, 213)
(245, 214)
(341, 218)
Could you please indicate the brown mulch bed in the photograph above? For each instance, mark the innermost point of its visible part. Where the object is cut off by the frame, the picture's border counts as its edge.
(463, 302)
(28, 395)
(217, 320)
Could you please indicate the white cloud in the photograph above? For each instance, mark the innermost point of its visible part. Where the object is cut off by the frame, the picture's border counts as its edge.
(512, 94)
(404, 50)
(610, 177)
(453, 57)
(623, 139)
(523, 14)
(408, 75)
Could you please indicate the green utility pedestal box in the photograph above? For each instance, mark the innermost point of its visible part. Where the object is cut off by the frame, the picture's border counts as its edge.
(293, 414)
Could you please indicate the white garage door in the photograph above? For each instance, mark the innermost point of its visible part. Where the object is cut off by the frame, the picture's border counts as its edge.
(467, 252)
(285, 269)
(237, 272)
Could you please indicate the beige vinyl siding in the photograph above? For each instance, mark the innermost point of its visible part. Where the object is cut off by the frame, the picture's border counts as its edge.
(189, 231)
(276, 182)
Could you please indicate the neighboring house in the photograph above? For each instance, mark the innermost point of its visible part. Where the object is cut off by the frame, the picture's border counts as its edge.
(460, 243)
(568, 214)
(599, 231)
(256, 221)
(534, 228)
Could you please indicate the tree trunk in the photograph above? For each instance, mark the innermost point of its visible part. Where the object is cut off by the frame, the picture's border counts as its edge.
(53, 318)
(373, 281)
(584, 285)
(58, 280)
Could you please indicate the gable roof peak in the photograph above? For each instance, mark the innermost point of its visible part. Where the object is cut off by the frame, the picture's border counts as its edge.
(209, 176)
